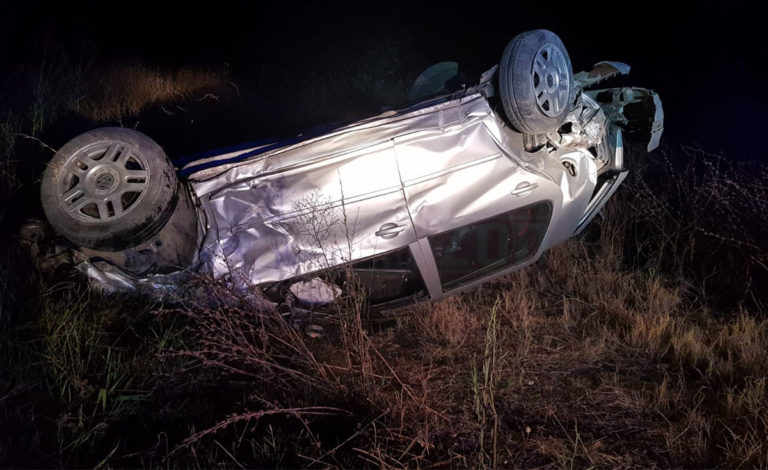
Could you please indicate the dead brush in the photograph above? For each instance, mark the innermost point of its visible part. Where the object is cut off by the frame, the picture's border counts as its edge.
(401, 388)
(694, 217)
(235, 336)
(239, 333)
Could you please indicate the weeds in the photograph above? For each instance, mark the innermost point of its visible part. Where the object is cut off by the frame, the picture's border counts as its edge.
(9, 166)
(43, 103)
(88, 363)
(483, 389)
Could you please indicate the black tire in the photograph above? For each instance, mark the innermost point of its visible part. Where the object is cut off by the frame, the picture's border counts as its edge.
(109, 189)
(536, 102)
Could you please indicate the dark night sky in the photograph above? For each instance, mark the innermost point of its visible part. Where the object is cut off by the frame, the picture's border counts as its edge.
(708, 61)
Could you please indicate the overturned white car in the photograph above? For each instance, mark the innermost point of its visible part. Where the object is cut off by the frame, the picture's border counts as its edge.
(470, 183)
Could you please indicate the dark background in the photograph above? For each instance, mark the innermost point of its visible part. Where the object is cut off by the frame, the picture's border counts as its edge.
(707, 60)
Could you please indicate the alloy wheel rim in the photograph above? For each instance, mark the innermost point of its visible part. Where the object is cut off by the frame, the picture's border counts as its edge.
(551, 83)
(103, 181)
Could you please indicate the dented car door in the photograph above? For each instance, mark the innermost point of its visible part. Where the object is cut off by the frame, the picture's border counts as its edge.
(456, 174)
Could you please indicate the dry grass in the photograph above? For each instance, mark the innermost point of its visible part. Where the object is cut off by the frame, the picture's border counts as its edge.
(571, 363)
(120, 91)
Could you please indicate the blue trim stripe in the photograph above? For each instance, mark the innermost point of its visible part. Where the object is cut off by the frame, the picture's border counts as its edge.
(193, 169)
(267, 145)
(186, 159)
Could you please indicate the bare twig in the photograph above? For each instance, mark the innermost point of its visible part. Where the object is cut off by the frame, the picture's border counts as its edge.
(210, 96)
(236, 418)
(42, 144)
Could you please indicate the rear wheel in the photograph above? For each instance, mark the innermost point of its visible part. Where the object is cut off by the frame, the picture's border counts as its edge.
(536, 82)
(109, 189)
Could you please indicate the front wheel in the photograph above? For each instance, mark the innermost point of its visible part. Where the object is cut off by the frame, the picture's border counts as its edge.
(536, 82)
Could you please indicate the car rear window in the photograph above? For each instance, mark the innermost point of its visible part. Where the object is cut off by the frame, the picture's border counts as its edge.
(476, 250)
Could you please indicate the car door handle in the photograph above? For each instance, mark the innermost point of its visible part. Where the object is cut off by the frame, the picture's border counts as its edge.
(390, 230)
(524, 188)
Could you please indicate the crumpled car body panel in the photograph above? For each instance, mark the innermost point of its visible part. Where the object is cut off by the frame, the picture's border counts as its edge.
(430, 170)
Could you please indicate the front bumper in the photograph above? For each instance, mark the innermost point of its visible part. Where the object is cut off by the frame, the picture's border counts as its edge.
(608, 181)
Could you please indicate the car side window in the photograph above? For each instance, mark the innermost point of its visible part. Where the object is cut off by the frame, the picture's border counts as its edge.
(473, 251)
(389, 277)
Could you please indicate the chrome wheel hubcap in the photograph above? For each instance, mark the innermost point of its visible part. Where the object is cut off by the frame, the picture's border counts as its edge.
(103, 181)
(550, 80)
